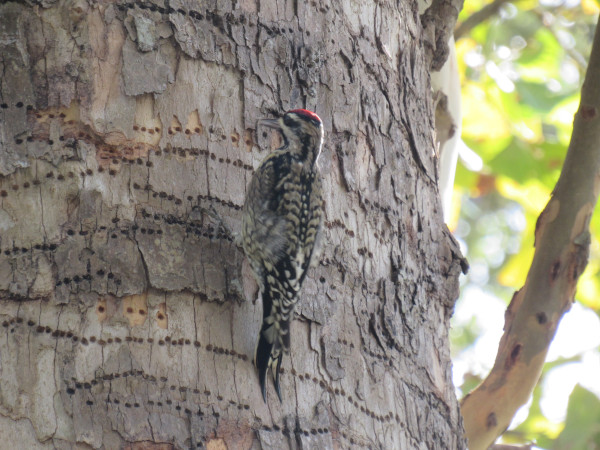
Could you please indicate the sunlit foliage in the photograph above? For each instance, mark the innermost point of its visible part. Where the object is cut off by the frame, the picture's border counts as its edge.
(521, 70)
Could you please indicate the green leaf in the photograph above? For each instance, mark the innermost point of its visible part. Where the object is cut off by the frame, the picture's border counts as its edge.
(582, 427)
(538, 96)
(518, 162)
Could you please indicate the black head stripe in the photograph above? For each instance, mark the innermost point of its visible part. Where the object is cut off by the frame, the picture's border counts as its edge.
(289, 122)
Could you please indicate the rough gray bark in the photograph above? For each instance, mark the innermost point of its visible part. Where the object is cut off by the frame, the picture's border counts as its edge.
(128, 135)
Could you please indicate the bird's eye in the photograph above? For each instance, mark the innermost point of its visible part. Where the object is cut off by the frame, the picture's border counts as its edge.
(288, 121)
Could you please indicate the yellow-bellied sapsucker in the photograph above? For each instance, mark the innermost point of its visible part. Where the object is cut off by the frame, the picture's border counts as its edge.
(280, 224)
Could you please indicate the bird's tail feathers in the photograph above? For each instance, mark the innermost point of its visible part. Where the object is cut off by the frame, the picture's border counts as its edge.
(267, 355)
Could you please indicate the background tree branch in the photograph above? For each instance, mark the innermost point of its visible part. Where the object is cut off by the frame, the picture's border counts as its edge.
(480, 16)
(562, 248)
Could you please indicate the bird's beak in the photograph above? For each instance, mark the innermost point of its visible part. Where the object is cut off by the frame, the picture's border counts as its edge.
(270, 123)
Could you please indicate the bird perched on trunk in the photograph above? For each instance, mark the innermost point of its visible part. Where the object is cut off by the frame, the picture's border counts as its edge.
(281, 221)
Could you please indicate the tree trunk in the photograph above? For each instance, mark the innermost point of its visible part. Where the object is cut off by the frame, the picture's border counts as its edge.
(128, 137)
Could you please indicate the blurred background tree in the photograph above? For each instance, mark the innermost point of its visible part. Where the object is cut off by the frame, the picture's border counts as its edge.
(521, 66)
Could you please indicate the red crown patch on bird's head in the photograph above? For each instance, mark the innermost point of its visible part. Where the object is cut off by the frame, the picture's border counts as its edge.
(306, 113)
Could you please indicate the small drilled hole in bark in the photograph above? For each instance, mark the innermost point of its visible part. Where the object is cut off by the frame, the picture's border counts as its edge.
(514, 354)
(554, 270)
(541, 318)
(588, 112)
